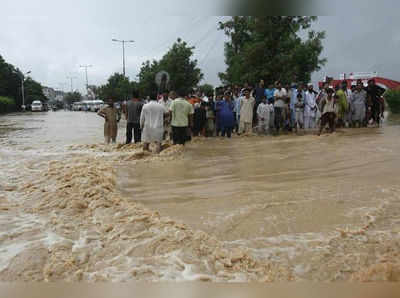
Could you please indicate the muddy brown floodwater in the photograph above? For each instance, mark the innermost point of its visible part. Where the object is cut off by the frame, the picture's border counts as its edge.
(246, 209)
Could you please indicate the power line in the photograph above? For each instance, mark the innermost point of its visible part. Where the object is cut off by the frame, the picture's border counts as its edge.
(205, 36)
(210, 50)
(195, 23)
(189, 28)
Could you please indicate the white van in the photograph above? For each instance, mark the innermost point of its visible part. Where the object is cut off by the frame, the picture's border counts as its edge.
(97, 105)
(88, 105)
(77, 106)
(37, 106)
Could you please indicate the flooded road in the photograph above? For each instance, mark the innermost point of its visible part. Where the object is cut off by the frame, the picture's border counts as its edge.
(251, 208)
(262, 187)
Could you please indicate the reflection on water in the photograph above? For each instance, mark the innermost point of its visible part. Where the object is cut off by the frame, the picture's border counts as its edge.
(287, 199)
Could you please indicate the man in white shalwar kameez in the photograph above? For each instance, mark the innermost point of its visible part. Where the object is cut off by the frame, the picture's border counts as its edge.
(310, 108)
(152, 124)
(358, 102)
(246, 112)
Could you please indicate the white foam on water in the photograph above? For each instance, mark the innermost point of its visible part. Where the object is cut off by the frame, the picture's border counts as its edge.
(9, 251)
(11, 246)
(81, 242)
(52, 239)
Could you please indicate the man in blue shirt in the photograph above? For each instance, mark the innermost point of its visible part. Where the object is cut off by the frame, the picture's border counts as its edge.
(269, 93)
(259, 92)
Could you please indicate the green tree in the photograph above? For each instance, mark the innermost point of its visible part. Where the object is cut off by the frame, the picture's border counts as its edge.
(178, 62)
(118, 88)
(33, 91)
(72, 97)
(10, 82)
(147, 74)
(10, 85)
(392, 97)
(271, 48)
(6, 105)
(206, 88)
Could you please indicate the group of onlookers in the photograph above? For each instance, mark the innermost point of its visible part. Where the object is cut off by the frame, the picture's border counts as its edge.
(298, 106)
(268, 110)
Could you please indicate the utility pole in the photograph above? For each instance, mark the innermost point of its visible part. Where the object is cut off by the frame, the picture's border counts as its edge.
(71, 78)
(23, 89)
(123, 51)
(87, 82)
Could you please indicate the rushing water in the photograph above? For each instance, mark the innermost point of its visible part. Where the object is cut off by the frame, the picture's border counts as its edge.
(325, 208)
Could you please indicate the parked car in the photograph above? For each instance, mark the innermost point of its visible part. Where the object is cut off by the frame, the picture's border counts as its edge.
(37, 106)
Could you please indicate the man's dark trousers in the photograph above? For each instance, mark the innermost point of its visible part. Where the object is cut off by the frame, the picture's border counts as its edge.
(136, 132)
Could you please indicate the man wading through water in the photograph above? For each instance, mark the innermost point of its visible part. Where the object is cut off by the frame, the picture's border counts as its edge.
(343, 105)
(152, 123)
(328, 108)
(132, 111)
(181, 113)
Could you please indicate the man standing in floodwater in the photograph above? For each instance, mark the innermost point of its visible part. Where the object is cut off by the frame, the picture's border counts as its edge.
(358, 103)
(132, 111)
(342, 105)
(280, 95)
(181, 113)
(152, 123)
(269, 93)
(310, 108)
(225, 114)
(110, 115)
(328, 107)
(246, 112)
(375, 103)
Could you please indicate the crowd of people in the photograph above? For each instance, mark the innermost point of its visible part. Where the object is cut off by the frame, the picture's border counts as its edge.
(273, 109)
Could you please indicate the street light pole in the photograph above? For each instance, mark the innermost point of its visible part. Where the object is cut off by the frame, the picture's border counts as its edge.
(123, 51)
(87, 82)
(71, 78)
(123, 57)
(23, 90)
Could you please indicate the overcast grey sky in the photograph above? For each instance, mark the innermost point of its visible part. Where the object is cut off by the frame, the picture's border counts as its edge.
(52, 38)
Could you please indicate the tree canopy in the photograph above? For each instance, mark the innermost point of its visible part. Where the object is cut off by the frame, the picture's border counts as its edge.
(206, 89)
(10, 85)
(118, 87)
(178, 62)
(271, 48)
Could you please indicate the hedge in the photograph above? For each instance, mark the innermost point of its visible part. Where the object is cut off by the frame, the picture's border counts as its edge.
(392, 97)
(7, 105)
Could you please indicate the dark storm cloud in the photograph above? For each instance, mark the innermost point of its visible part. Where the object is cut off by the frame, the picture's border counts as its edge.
(52, 38)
